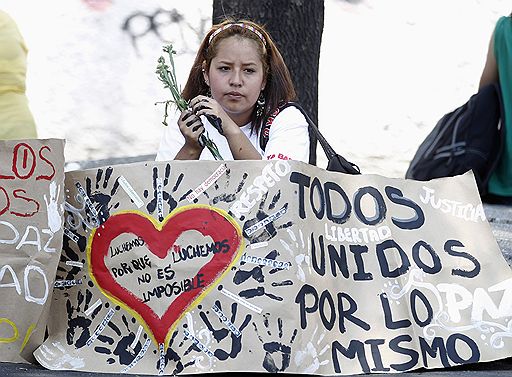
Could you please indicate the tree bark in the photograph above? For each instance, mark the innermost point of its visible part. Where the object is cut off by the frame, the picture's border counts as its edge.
(296, 27)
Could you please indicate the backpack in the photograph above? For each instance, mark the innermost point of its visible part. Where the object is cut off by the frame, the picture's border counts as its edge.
(335, 162)
(470, 137)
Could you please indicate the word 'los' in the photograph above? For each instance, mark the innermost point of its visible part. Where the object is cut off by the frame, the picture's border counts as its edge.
(25, 161)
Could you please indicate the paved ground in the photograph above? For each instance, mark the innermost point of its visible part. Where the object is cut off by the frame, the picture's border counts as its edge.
(500, 218)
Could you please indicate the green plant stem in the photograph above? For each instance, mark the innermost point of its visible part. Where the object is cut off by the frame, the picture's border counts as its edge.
(168, 78)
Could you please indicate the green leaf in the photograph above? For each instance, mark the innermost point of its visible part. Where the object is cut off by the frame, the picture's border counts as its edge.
(167, 75)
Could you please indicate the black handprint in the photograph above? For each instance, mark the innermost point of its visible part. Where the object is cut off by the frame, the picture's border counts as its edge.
(273, 346)
(256, 273)
(226, 196)
(268, 231)
(219, 334)
(79, 220)
(166, 196)
(123, 343)
(172, 355)
(98, 197)
(79, 323)
(69, 253)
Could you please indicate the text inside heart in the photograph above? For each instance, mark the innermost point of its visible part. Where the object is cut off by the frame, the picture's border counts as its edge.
(159, 271)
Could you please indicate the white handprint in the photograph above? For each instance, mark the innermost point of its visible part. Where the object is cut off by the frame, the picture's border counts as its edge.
(53, 211)
(308, 359)
(58, 357)
(300, 258)
(206, 337)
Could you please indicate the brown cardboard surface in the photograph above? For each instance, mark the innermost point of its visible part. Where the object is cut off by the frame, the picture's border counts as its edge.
(31, 209)
(273, 266)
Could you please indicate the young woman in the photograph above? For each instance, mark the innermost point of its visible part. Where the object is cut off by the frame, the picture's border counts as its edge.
(237, 82)
(498, 68)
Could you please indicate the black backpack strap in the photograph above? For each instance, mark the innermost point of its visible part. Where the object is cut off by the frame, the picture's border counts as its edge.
(336, 162)
(265, 131)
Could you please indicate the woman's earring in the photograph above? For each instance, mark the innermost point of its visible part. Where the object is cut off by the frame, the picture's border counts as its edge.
(208, 92)
(260, 105)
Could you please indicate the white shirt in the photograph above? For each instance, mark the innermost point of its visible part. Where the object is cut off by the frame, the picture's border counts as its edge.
(288, 139)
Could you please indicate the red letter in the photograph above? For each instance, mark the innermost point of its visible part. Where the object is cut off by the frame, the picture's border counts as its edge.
(6, 176)
(7, 204)
(47, 177)
(25, 156)
(15, 194)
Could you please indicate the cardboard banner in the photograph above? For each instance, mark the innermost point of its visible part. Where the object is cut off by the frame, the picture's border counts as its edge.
(31, 210)
(274, 266)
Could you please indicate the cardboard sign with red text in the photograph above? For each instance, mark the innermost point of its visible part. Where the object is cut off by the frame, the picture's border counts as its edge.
(189, 267)
(31, 215)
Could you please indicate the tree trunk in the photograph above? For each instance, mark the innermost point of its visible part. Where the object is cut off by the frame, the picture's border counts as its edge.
(296, 27)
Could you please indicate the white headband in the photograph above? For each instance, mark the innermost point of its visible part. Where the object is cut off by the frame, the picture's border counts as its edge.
(243, 26)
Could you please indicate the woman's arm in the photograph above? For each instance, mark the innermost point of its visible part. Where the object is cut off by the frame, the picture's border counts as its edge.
(186, 153)
(490, 72)
(240, 146)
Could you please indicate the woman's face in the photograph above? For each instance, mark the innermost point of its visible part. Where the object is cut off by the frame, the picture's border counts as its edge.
(236, 77)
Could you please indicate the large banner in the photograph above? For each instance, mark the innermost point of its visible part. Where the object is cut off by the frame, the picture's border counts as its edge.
(274, 266)
(31, 210)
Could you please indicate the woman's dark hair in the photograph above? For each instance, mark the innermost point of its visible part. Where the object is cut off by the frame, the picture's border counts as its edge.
(279, 86)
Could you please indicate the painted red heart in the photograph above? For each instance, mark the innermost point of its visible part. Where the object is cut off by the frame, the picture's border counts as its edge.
(159, 238)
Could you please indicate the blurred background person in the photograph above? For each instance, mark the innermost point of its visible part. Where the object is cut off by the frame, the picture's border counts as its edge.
(16, 120)
(498, 68)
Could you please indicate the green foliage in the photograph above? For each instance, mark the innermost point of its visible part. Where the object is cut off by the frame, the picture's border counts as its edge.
(167, 75)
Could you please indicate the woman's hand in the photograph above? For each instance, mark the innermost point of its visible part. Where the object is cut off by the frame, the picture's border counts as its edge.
(240, 146)
(213, 111)
(191, 128)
